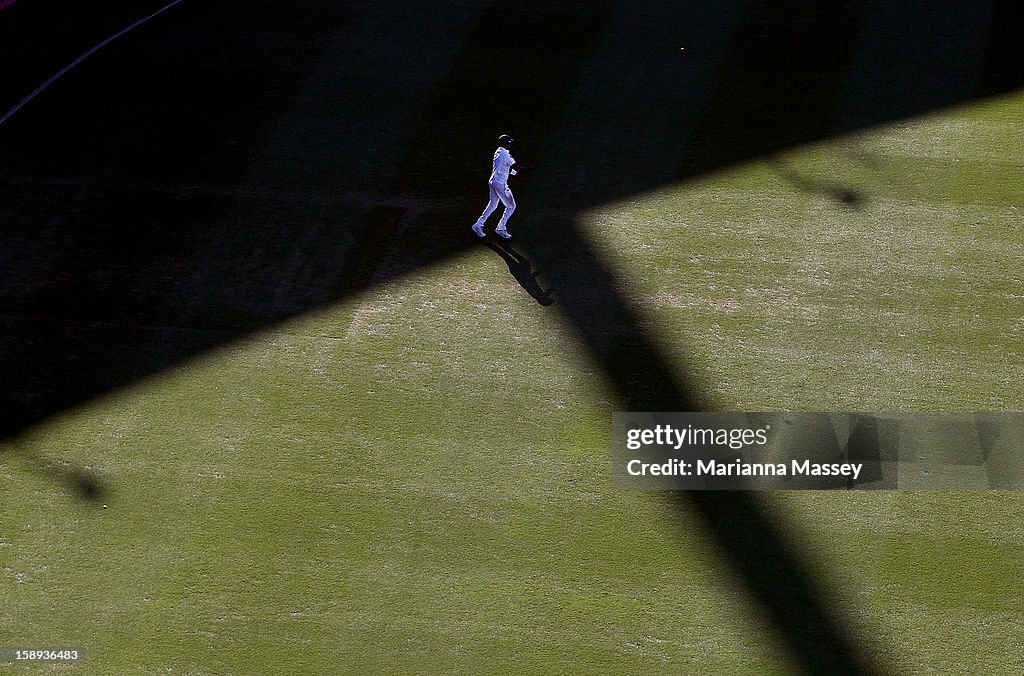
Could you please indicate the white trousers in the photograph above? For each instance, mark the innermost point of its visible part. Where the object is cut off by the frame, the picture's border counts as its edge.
(499, 192)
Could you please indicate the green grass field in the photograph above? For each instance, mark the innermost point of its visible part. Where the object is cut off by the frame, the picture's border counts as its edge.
(416, 479)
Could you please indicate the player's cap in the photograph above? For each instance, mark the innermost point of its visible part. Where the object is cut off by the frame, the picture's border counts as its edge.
(505, 138)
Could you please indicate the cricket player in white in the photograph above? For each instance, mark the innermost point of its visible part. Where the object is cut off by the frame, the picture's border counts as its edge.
(504, 166)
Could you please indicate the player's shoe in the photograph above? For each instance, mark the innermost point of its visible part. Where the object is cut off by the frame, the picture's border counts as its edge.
(503, 234)
(479, 230)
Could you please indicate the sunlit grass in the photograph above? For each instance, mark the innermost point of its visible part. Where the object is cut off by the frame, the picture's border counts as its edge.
(417, 478)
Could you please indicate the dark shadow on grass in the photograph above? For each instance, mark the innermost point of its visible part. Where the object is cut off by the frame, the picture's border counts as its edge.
(773, 572)
(82, 482)
(133, 238)
(812, 186)
(521, 269)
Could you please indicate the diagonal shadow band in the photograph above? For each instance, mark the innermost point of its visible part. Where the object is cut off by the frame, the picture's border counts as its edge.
(637, 369)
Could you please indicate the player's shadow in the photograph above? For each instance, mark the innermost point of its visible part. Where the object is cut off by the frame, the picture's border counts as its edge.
(520, 267)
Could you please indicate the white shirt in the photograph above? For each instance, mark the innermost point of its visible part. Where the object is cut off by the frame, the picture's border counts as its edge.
(502, 163)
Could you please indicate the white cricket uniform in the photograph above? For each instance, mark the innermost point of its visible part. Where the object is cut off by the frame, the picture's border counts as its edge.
(498, 183)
